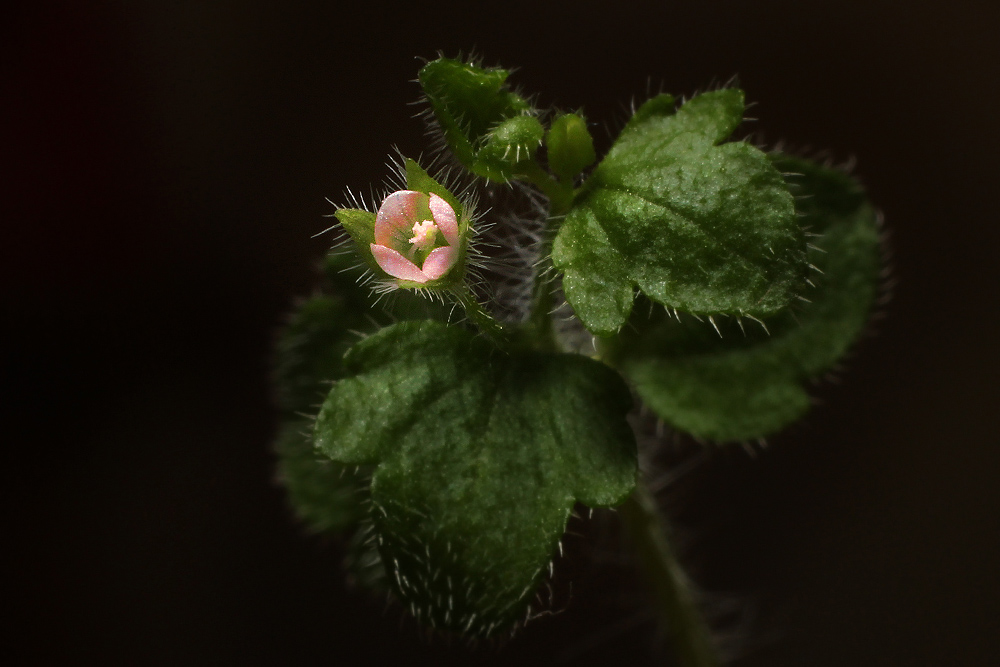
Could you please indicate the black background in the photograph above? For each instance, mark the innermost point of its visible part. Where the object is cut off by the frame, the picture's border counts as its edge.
(165, 166)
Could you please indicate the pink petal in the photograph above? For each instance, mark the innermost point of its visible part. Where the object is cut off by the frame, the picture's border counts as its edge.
(396, 265)
(439, 261)
(395, 218)
(444, 218)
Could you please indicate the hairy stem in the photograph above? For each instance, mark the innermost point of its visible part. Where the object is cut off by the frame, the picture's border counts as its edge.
(560, 195)
(483, 320)
(684, 623)
(542, 301)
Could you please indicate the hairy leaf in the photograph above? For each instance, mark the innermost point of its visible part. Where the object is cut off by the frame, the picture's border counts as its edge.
(310, 351)
(480, 456)
(324, 494)
(312, 344)
(311, 348)
(696, 224)
(742, 386)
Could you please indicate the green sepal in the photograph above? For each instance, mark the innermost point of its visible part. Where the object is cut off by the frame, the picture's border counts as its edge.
(345, 280)
(569, 145)
(360, 225)
(419, 180)
(742, 386)
(510, 142)
(480, 456)
(698, 225)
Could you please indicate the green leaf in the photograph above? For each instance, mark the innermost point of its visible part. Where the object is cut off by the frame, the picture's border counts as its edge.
(311, 349)
(570, 146)
(601, 298)
(661, 105)
(310, 354)
(697, 225)
(324, 494)
(480, 457)
(744, 386)
(361, 558)
(309, 358)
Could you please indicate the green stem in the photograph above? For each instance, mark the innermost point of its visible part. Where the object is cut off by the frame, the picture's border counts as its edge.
(540, 320)
(691, 638)
(483, 320)
(560, 195)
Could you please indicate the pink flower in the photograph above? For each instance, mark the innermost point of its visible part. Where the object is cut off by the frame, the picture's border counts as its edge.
(416, 236)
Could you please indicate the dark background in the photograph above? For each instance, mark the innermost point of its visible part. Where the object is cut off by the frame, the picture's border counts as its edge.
(164, 171)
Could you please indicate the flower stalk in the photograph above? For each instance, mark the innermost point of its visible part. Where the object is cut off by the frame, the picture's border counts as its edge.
(485, 322)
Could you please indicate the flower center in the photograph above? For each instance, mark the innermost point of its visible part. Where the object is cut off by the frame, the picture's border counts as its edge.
(424, 235)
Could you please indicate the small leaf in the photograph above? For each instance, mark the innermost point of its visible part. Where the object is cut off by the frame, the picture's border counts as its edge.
(744, 386)
(468, 102)
(570, 146)
(704, 227)
(480, 457)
